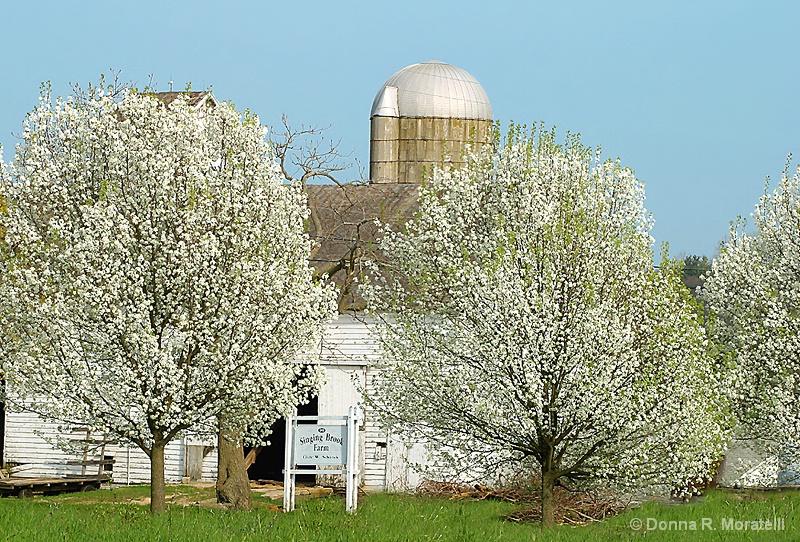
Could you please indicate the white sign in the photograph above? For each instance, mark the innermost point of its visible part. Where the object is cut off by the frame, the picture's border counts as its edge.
(320, 444)
(331, 443)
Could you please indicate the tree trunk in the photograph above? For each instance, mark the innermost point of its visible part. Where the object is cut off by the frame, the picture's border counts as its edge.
(548, 498)
(233, 485)
(157, 487)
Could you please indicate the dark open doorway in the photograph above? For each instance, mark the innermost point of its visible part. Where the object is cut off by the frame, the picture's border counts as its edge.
(268, 461)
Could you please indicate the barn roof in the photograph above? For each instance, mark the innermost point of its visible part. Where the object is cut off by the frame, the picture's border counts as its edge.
(344, 226)
(195, 99)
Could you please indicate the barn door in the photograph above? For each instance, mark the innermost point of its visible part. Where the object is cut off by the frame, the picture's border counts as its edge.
(266, 462)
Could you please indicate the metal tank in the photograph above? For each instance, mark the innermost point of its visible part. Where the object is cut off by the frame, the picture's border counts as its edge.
(425, 115)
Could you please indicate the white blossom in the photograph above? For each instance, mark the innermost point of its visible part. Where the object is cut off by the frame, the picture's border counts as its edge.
(155, 273)
(754, 291)
(530, 328)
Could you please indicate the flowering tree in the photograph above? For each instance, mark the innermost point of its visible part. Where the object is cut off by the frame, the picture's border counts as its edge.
(156, 273)
(528, 327)
(753, 290)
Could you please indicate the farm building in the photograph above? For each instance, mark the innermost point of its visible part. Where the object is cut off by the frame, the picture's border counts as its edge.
(347, 352)
(424, 115)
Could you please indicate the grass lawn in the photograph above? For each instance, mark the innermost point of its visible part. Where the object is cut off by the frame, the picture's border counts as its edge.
(118, 514)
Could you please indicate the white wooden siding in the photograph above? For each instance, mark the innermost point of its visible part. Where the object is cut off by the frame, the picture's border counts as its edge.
(376, 446)
(347, 348)
(28, 450)
(348, 351)
(349, 341)
(133, 466)
(29, 445)
(402, 474)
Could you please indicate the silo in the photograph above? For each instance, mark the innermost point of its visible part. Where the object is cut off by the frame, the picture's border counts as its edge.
(425, 115)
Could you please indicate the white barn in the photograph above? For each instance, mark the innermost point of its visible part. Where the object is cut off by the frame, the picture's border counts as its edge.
(347, 351)
(423, 115)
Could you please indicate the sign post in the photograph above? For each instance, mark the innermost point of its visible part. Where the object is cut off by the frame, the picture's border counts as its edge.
(330, 441)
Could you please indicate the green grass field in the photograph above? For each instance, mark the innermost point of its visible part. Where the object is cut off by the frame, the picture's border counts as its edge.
(111, 515)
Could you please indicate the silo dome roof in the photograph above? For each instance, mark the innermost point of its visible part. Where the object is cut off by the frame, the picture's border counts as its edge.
(432, 89)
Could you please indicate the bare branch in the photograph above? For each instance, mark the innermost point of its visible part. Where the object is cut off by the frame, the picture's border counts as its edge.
(305, 153)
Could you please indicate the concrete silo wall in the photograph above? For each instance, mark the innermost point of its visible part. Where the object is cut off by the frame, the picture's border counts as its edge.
(384, 149)
(405, 149)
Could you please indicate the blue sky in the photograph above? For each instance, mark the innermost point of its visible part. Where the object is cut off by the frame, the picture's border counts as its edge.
(700, 98)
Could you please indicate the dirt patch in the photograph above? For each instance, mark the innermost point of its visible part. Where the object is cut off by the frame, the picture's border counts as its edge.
(179, 499)
(274, 490)
(201, 494)
(747, 495)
